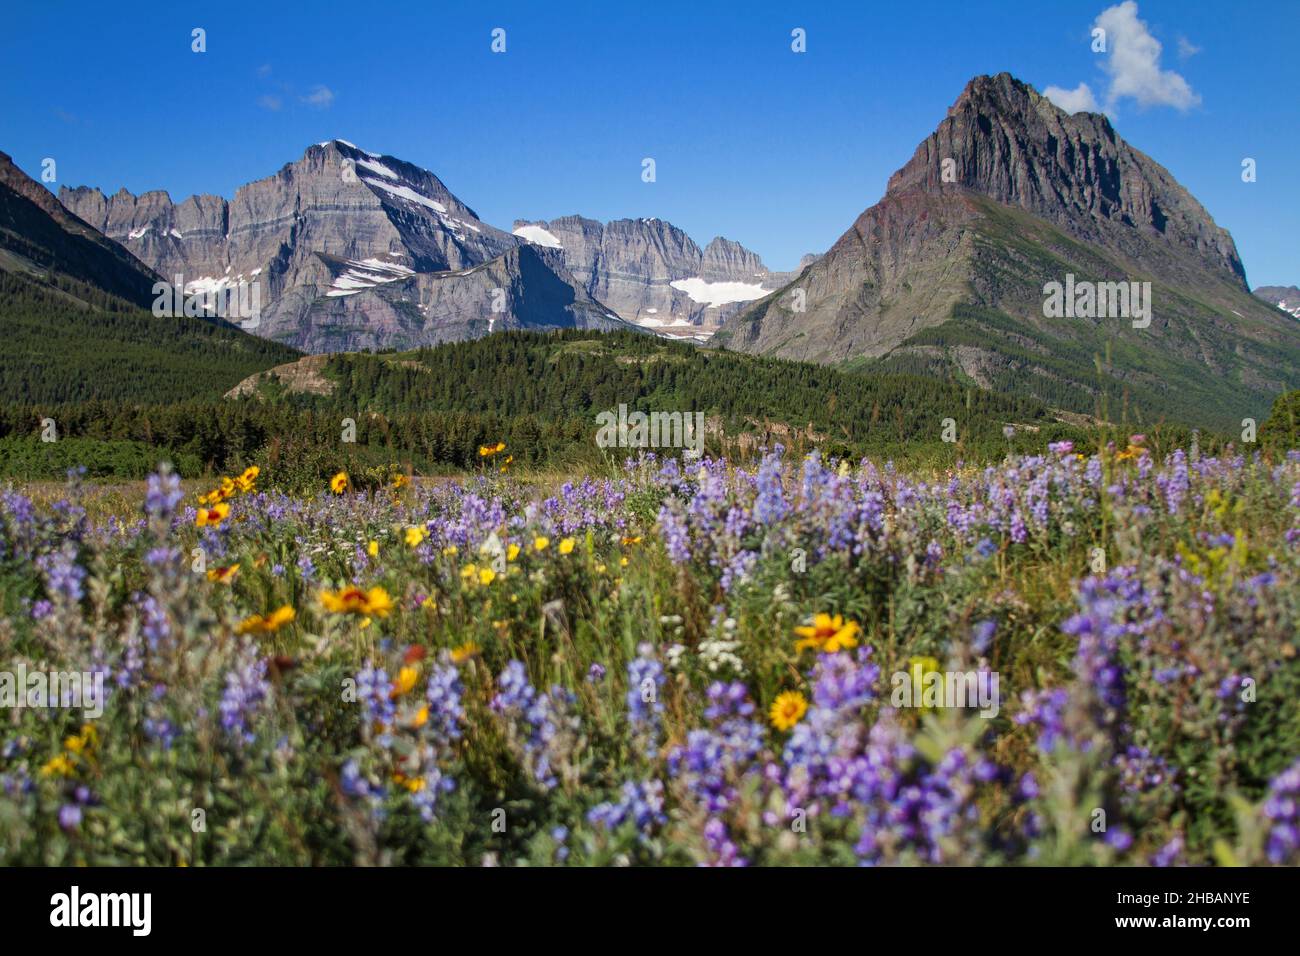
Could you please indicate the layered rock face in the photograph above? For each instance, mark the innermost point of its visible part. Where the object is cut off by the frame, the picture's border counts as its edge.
(652, 273)
(42, 239)
(346, 249)
(947, 273)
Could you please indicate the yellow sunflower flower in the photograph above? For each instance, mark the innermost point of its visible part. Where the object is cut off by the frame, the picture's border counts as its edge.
(566, 546)
(415, 536)
(270, 623)
(212, 516)
(541, 543)
(828, 634)
(354, 600)
(405, 682)
(339, 483)
(224, 575)
(787, 710)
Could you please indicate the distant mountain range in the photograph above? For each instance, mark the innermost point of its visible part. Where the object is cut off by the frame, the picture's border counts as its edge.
(950, 275)
(356, 250)
(351, 250)
(1285, 297)
(653, 274)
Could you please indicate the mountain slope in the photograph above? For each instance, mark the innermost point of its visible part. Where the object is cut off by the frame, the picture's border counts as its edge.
(653, 274)
(39, 238)
(69, 342)
(75, 327)
(946, 274)
(348, 249)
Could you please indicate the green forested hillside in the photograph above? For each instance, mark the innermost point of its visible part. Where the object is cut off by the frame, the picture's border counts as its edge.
(577, 374)
(431, 409)
(66, 341)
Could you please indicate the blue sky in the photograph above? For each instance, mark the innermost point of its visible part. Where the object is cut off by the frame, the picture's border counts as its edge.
(778, 150)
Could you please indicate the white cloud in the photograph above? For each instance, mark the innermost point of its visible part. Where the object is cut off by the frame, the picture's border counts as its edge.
(1133, 63)
(321, 97)
(1073, 101)
(270, 102)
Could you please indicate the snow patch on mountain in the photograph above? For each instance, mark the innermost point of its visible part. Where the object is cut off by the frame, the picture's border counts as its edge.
(362, 274)
(719, 293)
(539, 236)
(405, 192)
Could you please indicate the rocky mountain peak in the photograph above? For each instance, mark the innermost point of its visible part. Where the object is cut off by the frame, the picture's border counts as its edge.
(947, 274)
(348, 249)
(1005, 140)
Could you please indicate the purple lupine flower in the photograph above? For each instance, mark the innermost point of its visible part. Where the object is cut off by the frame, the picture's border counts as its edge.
(246, 690)
(537, 722)
(70, 816)
(645, 681)
(444, 696)
(1281, 813)
(63, 576)
(162, 496)
(641, 803)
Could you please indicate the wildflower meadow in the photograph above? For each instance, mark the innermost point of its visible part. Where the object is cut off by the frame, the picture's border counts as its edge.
(1077, 656)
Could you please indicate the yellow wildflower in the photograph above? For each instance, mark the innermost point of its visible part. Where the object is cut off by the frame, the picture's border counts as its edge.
(212, 516)
(59, 766)
(464, 652)
(354, 600)
(827, 634)
(406, 678)
(787, 710)
(224, 575)
(269, 624)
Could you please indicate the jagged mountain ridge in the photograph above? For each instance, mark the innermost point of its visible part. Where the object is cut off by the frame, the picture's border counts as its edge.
(652, 273)
(945, 275)
(349, 249)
